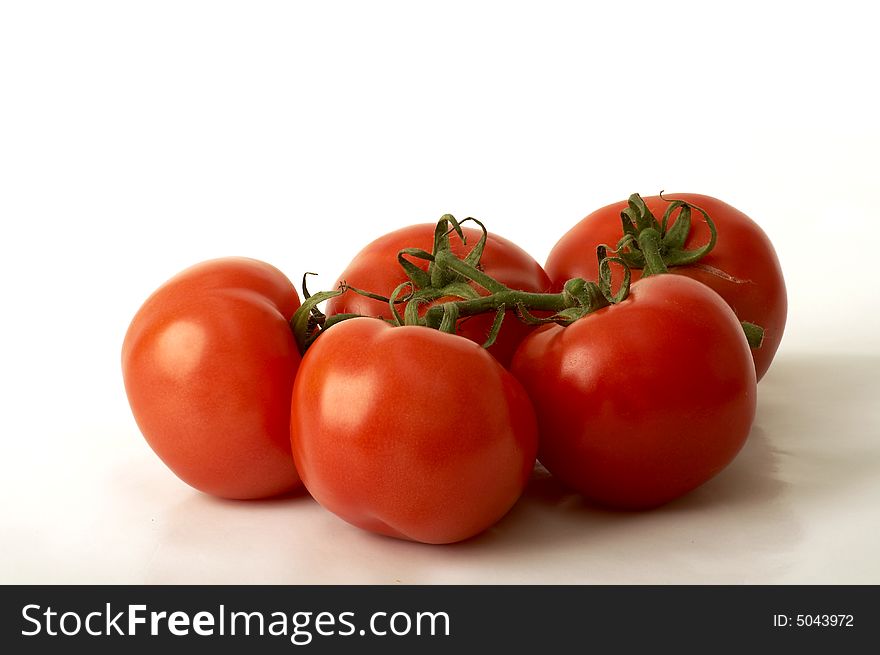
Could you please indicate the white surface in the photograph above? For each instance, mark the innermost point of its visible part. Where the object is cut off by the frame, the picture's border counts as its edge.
(137, 140)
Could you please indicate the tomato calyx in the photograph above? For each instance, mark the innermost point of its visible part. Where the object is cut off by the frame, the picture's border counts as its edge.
(754, 334)
(439, 281)
(655, 245)
(423, 286)
(308, 321)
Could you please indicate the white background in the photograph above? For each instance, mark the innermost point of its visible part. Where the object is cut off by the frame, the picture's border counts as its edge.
(139, 138)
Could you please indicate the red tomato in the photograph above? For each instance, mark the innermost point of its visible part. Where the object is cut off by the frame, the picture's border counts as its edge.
(410, 432)
(742, 267)
(209, 362)
(641, 402)
(375, 268)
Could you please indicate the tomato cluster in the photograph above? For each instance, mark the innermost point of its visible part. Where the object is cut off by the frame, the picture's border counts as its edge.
(447, 361)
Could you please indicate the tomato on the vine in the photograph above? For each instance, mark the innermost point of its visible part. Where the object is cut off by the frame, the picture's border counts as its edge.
(410, 432)
(375, 269)
(644, 400)
(742, 267)
(208, 363)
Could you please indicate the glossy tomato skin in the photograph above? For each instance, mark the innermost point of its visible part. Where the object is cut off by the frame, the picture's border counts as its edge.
(410, 432)
(643, 401)
(375, 269)
(742, 267)
(208, 363)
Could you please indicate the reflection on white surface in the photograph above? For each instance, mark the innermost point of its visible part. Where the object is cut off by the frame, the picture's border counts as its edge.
(550, 535)
(799, 504)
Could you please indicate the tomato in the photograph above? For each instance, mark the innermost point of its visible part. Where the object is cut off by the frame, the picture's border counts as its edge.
(742, 267)
(375, 269)
(642, 401)
(209, 362)
(410, 432)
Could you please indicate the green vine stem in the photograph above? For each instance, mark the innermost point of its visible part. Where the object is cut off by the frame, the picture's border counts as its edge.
(647, 243)
(577, 298)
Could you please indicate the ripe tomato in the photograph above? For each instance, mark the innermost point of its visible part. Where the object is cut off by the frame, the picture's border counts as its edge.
(208, 363)
(642, 401)
(742, 267)
(410, 432)
(375, 268)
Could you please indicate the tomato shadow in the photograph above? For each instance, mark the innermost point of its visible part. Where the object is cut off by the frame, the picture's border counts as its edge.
(550, 513)
(822, 415)
(208, 540)
(553, 535)
(739, 527)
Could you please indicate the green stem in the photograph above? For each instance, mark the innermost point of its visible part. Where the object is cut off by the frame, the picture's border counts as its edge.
(646, 244)
(447, 259)
(649, 244)
(754, 334)
(542, 302)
